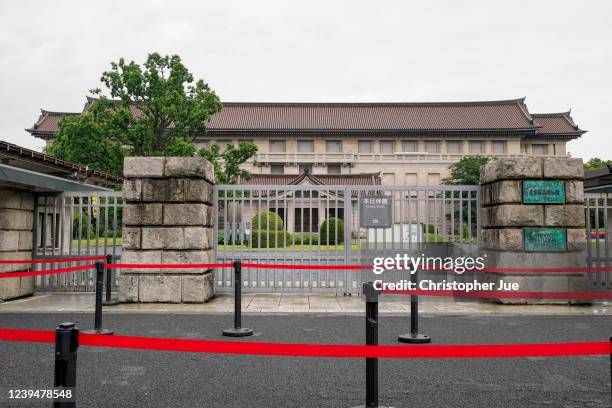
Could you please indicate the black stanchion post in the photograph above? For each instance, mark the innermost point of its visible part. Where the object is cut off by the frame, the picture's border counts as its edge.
(414, 336)
(98, 313)
(108, 301)
(371, 326)
(66, 346)
(611, 371)
(238, 330)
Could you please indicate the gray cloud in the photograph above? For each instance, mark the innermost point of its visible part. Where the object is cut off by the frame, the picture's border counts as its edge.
(554, 52)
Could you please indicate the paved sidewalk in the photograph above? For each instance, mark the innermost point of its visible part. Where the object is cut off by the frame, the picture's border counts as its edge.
(277, 303)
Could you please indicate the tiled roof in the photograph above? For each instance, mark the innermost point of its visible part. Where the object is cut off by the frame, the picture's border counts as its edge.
(510, 114)
(506, 115)
(48, 122)
(43, 163)
(361, 179)
(556, 123)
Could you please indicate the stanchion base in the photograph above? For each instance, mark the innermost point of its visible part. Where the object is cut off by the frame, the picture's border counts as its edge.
(238, 332)
(99, 331)
(414, 338)
(110, 303)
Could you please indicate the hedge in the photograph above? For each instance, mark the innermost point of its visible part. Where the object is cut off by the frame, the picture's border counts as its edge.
(270, 239)
(305, 239)
(335, 236)
(267, 221)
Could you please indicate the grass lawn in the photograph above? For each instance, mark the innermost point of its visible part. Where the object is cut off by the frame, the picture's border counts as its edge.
(92, 242)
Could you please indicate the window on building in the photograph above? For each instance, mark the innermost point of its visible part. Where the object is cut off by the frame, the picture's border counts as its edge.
(409, 146)
(410, 179)
(277, 169)
(432, 146)
(365, 146)
(433, 179)
(387, 146)
(476, 147)
(305, 146)
(336, 213)
(306, 220)
(388, 179)
(305, 167)
(539, 149)
(278, 146)
(334, 169)
(454, 147)
(333, 146)
(498, 146)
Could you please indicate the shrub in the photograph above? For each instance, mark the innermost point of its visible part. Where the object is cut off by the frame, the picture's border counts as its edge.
(220, 237)
(266, 221)
(332, 228)
(270, 239)
(306, 239)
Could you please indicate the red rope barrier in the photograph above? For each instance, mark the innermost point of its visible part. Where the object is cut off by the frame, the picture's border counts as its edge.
(294, 266)
(169, 266)
(20, 274)
(490, 294)
(44, 261)
(321, 350)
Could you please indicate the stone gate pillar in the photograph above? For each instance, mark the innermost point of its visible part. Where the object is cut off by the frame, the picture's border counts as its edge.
(533, 217)
(167, 219)
(16, 218)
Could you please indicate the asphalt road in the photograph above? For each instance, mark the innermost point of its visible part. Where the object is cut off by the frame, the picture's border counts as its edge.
(140, 378)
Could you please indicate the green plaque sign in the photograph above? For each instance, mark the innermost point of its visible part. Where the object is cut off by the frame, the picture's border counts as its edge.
(543, 192)
(545, 239)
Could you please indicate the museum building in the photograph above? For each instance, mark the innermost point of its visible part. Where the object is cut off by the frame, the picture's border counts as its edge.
(372, 143)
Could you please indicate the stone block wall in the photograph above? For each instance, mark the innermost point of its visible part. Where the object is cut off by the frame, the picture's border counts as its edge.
(167, 219)
(16, 220)
(504, 217)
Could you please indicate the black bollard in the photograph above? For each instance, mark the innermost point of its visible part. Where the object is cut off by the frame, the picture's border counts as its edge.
(108, 301)
(414, 336)
(371, 326)
(611, 371)
(98, 313)
(66, 346)
(237, 330)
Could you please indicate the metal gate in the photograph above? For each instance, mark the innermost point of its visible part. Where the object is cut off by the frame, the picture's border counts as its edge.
(75, 225)
(598, 212)
(320, 226)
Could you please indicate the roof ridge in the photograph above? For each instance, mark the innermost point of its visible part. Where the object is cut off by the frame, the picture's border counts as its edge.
(375, 104)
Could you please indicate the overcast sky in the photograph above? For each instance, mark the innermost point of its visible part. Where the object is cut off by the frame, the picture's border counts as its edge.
(556, 53)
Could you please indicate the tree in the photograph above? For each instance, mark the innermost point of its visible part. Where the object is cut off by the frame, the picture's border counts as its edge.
(597, 163)
(227, 163)
(89, 139)
(466, 170)
(156, 109)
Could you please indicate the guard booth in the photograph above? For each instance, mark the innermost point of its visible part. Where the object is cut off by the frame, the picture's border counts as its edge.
(51, 208)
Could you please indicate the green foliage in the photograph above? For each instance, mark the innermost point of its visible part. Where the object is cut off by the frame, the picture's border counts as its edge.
(90, 139)
(332, 228)
(267, 221)
(232, 157)
(171, 110)
(597, 163)
(305, 239)
(466, 171)
(270, 239)
(86, 224)
(181, 148)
